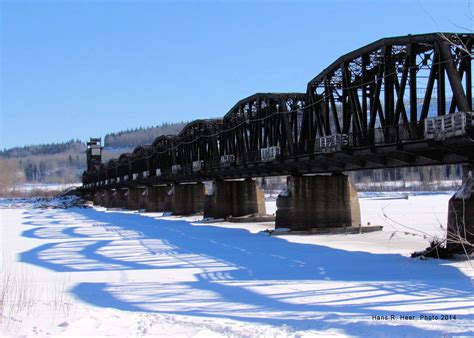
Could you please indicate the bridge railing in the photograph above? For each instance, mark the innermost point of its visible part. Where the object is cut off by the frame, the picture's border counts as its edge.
(248, 157)
(437, 128)
(328, 144)
(442, 127)
(383, 135)
(395, 134)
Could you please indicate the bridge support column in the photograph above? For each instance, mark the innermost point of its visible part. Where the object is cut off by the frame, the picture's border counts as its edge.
(317, 202)
(132, 198)
(103, 198)
(118, 198)
(107, 198)
(234, 198)
(98, 198)
(460, 229)
(186, 199)
(155, 198)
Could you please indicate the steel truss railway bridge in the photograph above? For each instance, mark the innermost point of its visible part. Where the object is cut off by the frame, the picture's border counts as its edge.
(397, 102)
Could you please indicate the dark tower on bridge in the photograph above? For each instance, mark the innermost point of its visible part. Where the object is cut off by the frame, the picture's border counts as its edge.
(94, 153)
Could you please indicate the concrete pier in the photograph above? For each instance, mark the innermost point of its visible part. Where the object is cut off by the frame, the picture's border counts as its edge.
(132, 198)
(97, 199)
(155, 198)
(460, 229)
(118, 198)
(107, 198)
(103, 198)
(234, 198)
(318, 202)
(186, 199)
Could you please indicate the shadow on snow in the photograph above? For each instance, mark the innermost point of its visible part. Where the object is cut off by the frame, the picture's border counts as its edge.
(244, 276)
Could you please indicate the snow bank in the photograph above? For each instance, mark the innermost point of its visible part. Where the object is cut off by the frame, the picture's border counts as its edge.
(27, 187)
(62, 202)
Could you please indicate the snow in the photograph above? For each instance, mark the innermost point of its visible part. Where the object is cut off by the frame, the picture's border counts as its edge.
(92, 271)
(28, 187)
(412, 185)
(42, 202)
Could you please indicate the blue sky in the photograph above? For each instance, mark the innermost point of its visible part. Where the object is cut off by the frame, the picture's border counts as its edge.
(80, 69)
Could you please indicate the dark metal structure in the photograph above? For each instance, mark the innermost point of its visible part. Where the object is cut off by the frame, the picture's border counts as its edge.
(93, 153)
(402, 101)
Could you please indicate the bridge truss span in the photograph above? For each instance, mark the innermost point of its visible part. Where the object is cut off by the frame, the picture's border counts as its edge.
(402, 101)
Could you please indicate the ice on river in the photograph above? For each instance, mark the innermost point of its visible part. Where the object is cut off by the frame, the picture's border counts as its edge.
(94, 271)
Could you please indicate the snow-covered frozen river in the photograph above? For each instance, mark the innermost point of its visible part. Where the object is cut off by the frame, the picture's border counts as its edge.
(107, 272)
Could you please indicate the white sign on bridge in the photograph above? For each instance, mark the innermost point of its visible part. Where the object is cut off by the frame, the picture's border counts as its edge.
(333, 143)
(270, 153)
(175, 168)
(442, 127)
(227, 160)
(197, 165)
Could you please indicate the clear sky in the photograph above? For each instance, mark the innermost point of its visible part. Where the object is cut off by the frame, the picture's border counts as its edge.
(80, 69)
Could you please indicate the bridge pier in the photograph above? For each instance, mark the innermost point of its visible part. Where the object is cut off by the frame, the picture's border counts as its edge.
(107, 198)
(460, 229)
(132, 198)
(155, 198)
(118, 198)
(186, 198)
(103, 198)
(98, 198)
(234, 198)
(320, 201)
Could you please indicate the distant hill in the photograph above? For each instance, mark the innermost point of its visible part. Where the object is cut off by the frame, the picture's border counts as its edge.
(44, 163)
(43, 149)
(64, 162)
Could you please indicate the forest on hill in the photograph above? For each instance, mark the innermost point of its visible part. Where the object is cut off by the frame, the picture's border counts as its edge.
(63, 163)
(43, 149)
(133, 137)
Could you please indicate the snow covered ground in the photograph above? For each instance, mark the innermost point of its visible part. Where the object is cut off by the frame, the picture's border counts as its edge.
(28, 187)
(108, 272)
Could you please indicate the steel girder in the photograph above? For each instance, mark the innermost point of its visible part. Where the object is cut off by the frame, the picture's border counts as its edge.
(260, 121)
(373, 101)
(366, 89)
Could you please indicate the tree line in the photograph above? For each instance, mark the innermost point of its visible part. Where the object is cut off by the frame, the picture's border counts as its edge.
(65, 162)
(43, 149)
(133, 137)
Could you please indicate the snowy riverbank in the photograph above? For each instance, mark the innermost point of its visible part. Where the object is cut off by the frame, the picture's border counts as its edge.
(107, 272)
